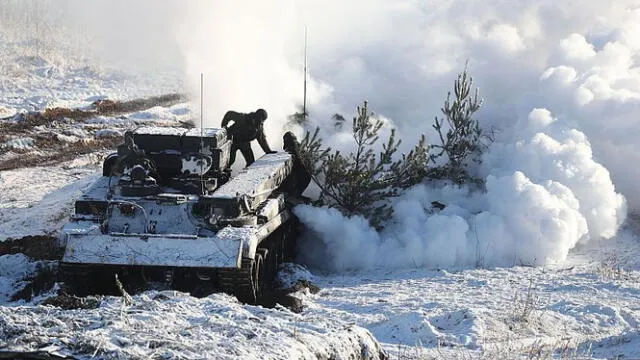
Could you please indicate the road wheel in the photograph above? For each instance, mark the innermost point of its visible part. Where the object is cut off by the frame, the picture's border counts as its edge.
(258, 277)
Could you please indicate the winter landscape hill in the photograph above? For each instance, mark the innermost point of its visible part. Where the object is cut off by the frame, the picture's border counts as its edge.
(543, 263)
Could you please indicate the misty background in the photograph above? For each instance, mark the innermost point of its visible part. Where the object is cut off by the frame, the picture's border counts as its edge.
(560, 82)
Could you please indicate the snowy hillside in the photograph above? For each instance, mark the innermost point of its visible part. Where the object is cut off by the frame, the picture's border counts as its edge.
(541, 264)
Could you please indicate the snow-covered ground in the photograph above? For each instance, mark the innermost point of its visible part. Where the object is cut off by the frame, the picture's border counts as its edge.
(170, 325)
(34, 80)
(47, 193)
(590, 302)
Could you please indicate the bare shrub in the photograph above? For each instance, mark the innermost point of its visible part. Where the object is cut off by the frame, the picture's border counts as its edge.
(526, 306)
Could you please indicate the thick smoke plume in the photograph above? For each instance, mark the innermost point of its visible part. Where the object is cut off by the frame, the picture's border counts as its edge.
(557, 87)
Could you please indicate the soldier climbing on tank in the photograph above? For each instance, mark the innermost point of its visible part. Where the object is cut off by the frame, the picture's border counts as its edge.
(244, 129)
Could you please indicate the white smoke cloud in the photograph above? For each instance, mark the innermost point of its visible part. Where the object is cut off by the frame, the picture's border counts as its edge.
(251, 55)
(560, 89)
(130, 40)
(544, 194)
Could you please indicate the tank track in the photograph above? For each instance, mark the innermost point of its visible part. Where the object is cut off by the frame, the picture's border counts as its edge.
(278, 248)
(84, 279)
(239, 282)
(87, 279)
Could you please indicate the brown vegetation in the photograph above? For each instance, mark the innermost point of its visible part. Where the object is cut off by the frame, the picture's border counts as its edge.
(49, 149)
(58, 152)
(100, 108)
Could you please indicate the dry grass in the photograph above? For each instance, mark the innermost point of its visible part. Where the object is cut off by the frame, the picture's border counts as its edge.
(56, 152)
(526, 309)
(49, 149)
(562, 349)
(50, 116)
(611, 268)
(109, 108)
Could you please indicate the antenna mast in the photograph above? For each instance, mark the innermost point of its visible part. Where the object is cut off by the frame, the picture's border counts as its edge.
(201, 110)
(304, 98)
(201, 131)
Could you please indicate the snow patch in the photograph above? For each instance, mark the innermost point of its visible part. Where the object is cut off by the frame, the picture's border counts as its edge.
(107, 133)
(19, 143)
(14, 268)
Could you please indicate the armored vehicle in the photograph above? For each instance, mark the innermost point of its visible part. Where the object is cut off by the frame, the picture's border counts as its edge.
(166, 211)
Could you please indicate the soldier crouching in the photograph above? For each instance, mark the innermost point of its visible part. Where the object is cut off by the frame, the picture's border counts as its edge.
(242, 129)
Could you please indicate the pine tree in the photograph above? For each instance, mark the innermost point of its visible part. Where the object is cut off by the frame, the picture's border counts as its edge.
(363, 182)
(462, 142)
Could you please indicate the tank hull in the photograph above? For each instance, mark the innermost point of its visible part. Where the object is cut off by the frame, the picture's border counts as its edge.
(230, 235)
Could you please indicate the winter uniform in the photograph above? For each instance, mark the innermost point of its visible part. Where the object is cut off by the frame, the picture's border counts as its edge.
(246, 128)
(301, 177)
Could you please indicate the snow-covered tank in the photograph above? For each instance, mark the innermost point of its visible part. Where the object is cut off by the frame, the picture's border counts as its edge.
(166, 210)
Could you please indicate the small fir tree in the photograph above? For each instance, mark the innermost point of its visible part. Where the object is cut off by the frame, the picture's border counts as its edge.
(461, 138)
(363, 182)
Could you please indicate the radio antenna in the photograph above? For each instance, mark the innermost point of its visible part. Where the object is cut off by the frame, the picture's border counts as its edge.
(304, 96)
(202, 132)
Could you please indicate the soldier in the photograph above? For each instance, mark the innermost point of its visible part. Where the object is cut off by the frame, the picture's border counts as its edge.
(301, 177)
(246, 128)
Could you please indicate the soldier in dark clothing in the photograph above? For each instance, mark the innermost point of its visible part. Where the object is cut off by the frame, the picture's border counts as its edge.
(246, 128)
(301, 177)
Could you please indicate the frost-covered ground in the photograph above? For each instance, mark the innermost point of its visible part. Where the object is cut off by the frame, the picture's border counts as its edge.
(47, 194)
(170, 325)
(590, 302)
(32, 79)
